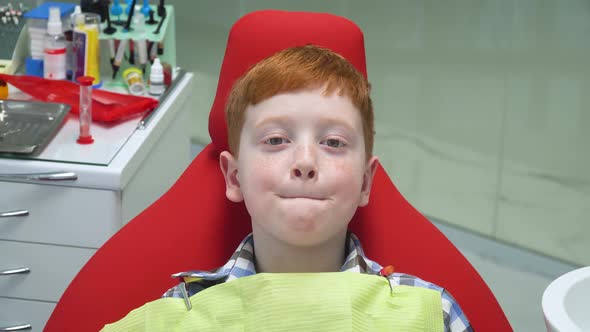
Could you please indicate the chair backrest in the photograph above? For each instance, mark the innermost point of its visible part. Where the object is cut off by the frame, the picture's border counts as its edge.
(193, 225)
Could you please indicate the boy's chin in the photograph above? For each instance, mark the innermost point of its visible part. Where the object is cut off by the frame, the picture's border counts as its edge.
(308, 233)
(304, 223)
(305, 240)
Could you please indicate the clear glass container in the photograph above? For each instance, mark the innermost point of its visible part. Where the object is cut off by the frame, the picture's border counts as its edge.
(85, 109)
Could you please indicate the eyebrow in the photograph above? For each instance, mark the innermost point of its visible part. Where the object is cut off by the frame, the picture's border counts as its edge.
(282, 120)
(273, 119)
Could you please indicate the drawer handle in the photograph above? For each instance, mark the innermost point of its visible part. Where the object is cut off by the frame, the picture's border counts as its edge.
(20, 327)
(20, 270)
(18, 213)
(52, 176)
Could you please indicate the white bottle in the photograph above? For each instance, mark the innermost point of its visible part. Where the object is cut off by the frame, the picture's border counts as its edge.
(54, 47)
(156, 79)
(77, 10)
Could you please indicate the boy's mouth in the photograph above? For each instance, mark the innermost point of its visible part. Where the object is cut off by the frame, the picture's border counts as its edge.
(311, 197)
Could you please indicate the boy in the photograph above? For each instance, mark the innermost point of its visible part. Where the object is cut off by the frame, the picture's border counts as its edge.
(300, 127)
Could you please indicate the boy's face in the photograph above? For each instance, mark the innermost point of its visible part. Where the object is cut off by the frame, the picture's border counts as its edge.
(302, 169)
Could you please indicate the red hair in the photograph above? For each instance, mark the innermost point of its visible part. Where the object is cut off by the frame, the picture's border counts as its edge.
(295, 69)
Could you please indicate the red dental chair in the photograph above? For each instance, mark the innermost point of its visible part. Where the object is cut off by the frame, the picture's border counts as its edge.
(194, 226)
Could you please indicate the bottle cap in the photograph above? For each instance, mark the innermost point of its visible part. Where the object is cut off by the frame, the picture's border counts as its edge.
(85, 80)
(54, 23)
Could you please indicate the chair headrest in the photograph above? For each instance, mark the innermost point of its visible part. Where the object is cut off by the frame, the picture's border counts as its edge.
(260, 34)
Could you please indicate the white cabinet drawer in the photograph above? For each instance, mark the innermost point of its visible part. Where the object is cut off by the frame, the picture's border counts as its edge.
(52, 268)
(59, 215)
(15, 312)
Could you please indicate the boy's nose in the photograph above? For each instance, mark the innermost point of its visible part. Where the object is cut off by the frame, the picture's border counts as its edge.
(306, 174)
(304, 164)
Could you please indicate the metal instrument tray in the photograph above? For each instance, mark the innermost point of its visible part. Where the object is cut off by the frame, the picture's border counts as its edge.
(27, 126)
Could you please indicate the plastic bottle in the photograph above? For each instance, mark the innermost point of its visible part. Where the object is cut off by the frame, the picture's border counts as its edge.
(70, 65)
(85, 46)
(54, 47)
(156, 79)
(77, 10)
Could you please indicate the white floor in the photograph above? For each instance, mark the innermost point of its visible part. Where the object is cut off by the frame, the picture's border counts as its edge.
(516, 276)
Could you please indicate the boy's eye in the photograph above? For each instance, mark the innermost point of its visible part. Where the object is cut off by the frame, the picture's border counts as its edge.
(333, 143)
(276, 141)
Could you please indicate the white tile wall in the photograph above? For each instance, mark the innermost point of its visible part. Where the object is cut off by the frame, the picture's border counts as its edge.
(482, 111)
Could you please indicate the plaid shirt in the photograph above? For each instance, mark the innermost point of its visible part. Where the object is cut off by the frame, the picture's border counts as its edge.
(241, 264)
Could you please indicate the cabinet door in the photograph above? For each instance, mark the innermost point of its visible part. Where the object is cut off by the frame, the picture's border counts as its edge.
(58, 215)
(15, 312)
(52, 268)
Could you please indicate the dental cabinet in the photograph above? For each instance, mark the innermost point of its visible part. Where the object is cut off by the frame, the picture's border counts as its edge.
(58, 206)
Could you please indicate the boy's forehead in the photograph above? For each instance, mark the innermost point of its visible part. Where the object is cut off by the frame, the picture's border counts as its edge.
(308, 92)
(293, 103)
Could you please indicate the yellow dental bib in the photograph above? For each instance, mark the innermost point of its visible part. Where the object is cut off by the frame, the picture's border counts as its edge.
(339, 301)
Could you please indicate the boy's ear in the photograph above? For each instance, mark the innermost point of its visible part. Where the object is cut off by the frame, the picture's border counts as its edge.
(229, 168)
(370, 169)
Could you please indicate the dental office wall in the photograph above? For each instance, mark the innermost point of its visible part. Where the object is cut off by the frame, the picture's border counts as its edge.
(482, 106)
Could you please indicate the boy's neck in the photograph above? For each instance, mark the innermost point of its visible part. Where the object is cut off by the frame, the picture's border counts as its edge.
(273, 256)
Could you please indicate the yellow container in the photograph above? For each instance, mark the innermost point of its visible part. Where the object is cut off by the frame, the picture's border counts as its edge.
(134, 79)
(85, 46)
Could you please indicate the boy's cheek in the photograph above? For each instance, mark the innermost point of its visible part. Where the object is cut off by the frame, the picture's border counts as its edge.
(265, 181)
(344, 168)
(258, 179)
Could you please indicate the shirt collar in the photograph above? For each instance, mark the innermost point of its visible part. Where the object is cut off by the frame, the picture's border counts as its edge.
(241, 263)
(356, 261)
